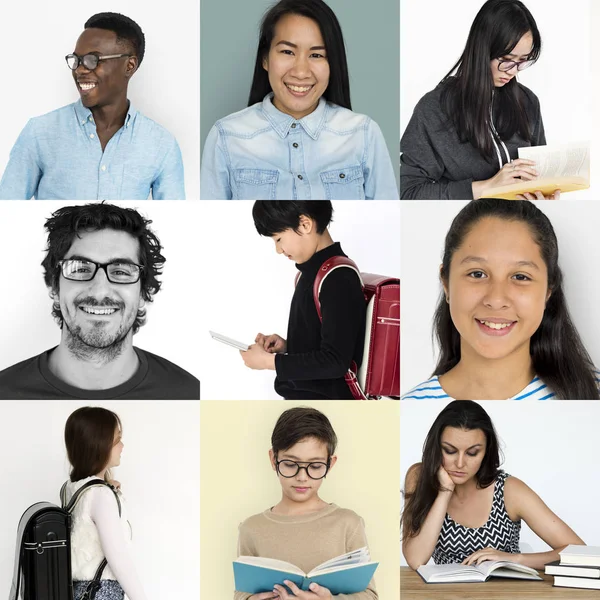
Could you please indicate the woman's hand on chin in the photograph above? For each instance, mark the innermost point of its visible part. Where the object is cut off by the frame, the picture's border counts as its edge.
(490, 554)
(445, 480)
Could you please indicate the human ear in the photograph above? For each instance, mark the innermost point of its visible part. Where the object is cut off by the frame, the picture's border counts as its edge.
(332, 461)
(265, 62)
(548, 294)
(272, 459)
(444, 284)
(131, 66)
(306, 224)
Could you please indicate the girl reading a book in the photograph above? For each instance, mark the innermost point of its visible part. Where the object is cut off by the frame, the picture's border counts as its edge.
(463, 136)
(502, 322)
(298, 137)
(460, 507)
(94, 446)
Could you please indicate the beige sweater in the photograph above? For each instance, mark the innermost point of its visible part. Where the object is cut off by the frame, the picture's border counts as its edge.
(305, 541)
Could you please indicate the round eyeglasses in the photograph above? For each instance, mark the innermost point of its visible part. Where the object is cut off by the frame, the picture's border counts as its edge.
(291, 468)
(89, 61)
(507, 65)
(85, 270)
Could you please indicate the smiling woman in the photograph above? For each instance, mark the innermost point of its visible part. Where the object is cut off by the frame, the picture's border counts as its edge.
(502, 321)
(298, 138)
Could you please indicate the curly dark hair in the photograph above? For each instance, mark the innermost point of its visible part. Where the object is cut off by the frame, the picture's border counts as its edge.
(68, 221)
(127, 30)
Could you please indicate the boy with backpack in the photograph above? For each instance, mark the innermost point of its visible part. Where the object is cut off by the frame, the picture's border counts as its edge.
(302, 528)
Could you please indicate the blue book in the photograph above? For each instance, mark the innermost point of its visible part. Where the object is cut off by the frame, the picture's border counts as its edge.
(346, 574)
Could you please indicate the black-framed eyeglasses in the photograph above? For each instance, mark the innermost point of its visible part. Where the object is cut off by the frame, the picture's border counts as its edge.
(89, 61)
(85, 270)
(507, 65)
(291, 468)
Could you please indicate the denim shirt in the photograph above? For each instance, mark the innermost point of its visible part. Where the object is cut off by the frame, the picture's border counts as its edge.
(262, 153)
(58, 156)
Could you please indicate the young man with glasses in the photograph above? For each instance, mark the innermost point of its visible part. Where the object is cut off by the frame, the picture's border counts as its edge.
(99, 147)
(302, 528)
(101, 268)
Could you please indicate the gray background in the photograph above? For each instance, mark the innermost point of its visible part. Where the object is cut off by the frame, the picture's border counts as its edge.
(228, 41)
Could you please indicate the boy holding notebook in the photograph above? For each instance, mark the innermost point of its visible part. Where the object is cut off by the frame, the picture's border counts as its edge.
(312, 361)
(302, 528)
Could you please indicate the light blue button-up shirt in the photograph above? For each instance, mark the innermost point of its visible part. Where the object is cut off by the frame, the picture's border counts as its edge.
(58, 156)
(261, 153)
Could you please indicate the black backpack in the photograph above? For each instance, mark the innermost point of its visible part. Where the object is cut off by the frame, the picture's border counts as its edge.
(43, 550)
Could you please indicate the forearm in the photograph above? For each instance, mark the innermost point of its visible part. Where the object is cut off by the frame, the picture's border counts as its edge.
(421, 188)
(418, 550)
(479, 188)
(537, 560)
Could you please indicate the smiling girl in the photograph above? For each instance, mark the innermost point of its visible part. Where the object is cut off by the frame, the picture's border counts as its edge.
(502, 323)
(463, 136)
(461, 507)
(298, 138)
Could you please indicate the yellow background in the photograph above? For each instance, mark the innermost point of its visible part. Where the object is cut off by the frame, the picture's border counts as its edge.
(237, 481)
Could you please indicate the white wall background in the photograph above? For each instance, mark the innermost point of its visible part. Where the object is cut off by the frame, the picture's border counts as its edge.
(423, 228)
(35, 36)
(562, 77)
(247, 287)
(25, 309)
(159, 474)
(551, 446)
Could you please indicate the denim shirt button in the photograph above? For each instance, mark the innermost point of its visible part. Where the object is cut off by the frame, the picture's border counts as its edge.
(293, 125)
(342, 175)
(92, 136)
(103, 167)
(295, 145)
(300, 177)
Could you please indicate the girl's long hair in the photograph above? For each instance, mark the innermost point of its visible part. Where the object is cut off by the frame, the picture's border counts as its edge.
(557, 352)
(469, 96)
(338, 90)
(462, 414)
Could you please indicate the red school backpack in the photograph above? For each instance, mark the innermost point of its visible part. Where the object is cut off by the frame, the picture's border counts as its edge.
(379, 373)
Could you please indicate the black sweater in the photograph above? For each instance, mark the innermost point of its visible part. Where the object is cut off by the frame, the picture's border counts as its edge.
(318, 355)
(435, 165)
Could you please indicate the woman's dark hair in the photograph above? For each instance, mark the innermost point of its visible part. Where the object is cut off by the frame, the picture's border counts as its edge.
(126, 29)
(274, 216)
(461, 414)
(89, 438)
(67, 222)
(467, 98)
(338, 90)
(297, 424)
(557, 352)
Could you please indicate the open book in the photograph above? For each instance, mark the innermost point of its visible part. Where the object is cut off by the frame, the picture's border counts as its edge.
(346, 574)
(564, 167)
(457, 573)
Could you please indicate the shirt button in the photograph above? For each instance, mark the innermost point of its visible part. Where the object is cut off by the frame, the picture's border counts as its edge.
(92, 136)
(295, 145)
(293, 125)
(300, 177)
(103, 167)
(342, 175)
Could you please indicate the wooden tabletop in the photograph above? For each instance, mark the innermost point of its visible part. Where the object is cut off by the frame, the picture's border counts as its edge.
(414, 588)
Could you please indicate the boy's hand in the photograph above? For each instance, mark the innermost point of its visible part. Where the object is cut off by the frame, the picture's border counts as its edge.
(256, 358)
(317, 592)
(271, 343)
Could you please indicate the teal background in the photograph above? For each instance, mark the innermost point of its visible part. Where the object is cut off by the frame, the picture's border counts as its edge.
(228, 42)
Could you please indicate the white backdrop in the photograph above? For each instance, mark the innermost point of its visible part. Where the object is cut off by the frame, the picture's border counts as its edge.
(35, 36)
(159, 474)
(562, 77)
(247, 287)
(423, 228)
(25, 308)
(551, 446)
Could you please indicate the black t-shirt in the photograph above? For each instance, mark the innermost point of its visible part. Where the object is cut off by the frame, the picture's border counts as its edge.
(155, 379)
(318, 355)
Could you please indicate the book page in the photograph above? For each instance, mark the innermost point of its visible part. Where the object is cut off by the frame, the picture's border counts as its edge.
(452, 572)
(566, 160)
(270, 563)
(361, 555)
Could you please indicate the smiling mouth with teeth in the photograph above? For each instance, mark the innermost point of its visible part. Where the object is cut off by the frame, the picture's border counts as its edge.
(496, 325)
(298, 89)
(98, 311)
(86, 86)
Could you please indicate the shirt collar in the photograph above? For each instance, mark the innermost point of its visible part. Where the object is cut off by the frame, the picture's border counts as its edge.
(282, 123)
(85, 114)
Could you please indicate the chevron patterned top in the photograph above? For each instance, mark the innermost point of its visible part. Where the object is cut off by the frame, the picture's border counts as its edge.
(456, 541)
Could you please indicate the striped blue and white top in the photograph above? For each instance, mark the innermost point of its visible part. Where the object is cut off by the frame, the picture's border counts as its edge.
(536, 390)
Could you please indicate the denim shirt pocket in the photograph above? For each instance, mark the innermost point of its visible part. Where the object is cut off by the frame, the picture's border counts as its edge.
(346, 183)
(256, 184)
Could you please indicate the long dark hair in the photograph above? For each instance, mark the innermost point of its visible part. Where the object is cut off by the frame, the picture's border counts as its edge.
(467, 98)
(462, 414)
(558, 355)
(338, 90)
(89, 438)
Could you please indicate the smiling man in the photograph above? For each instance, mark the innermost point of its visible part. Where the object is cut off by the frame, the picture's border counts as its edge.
(99, 147)
(101, 267)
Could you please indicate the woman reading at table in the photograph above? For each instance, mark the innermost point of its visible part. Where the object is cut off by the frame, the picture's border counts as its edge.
(460, 507)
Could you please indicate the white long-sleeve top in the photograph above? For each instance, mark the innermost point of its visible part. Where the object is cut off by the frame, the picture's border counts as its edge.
(98, 532)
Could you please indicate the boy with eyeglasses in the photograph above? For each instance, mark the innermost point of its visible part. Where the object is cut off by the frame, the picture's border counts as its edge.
(302, 528)
(100, 147)
(316, 354)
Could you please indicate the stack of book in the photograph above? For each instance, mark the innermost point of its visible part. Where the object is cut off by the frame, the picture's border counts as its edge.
(578, 567)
